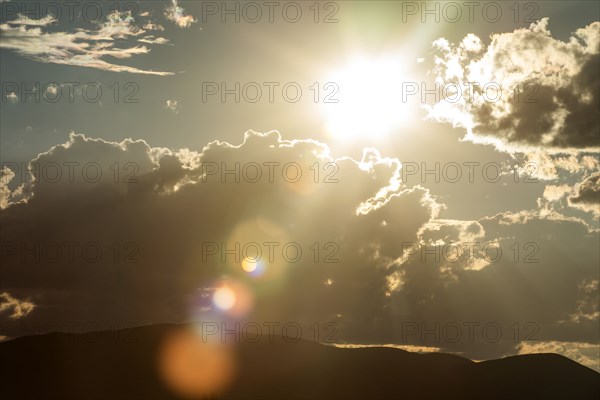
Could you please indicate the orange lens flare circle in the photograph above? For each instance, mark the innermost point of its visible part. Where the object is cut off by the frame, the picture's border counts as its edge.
(193, 368)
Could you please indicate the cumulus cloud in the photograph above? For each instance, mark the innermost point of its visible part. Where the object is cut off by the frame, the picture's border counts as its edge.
(177, 14)
(177, 201)
(84, 47)
(171, 202)
(556, 192)
(503, 272)
(541, 91)
(14, 308)
(587, 195)
(541, 105)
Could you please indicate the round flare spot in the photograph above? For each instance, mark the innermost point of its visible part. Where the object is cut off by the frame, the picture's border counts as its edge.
(224, 298)
(193, 368)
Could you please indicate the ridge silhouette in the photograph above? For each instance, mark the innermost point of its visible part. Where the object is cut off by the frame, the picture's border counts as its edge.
(123, 365)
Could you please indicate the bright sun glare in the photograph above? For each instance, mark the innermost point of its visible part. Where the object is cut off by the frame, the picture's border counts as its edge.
(369, 98)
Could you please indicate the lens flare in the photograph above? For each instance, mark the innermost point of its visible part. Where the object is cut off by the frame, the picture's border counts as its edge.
(249, 264)
(254, 267)
(224, 298)
(194, 368)
(233, 298)
(264, 264)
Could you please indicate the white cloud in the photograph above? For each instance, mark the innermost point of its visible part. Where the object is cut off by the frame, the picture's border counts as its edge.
(556, 192)
(172, 105)
(151, 39)
(52, 90)
(549, 89)
(177, 14)
(12, 97)
(25, 20)
(84, 48)
(6, 175)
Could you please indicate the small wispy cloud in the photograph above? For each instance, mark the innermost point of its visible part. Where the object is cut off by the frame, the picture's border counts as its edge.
(151, 39)
(172, 105)
(12, 97)
(16, 308)
(84, 47)
(177, 14)
(25, 20)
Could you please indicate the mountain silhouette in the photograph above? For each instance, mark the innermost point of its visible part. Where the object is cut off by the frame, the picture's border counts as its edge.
(126, 364)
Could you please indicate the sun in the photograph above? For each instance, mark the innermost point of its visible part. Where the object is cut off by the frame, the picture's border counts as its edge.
(369, 98)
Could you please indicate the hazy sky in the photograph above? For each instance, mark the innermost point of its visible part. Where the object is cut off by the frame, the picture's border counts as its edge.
(142, 109)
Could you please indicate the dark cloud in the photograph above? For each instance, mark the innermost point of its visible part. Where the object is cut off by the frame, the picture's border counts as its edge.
(514, 276)
(588, 191)
(179, 201)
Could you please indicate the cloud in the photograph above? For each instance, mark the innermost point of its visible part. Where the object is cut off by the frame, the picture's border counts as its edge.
(587, 194)
(588, 307)
(151, 26)
(543, 105)
(454, 230)
(556, 192)
(25, 20)
(583, 196)
(584, 353)
(16, 309)
(549, 89)
(176, 204)
(176, 14)
(548, 165)
(509, 271)
(6, 175)
(151, 39)
(172, 105)
(12, 97)
(181, 199)
(83, 48)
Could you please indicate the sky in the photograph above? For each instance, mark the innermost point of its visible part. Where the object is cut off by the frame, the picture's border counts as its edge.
(416, 174)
